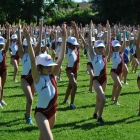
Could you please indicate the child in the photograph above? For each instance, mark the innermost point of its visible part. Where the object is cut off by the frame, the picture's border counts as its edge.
(44, 71)
(3, 66)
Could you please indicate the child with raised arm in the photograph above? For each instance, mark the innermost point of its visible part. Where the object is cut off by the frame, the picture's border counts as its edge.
(26, 77)
(117, 67)
(99, 59)
(44, 71)
(3, 67)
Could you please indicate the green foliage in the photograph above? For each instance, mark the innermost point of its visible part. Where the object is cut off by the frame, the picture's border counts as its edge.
(125, 11)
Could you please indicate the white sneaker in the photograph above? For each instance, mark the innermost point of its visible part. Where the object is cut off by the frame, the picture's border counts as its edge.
(125, 83)
(87, 72)
(1, 106)
(15, 81)
(122, 82)
(116, 103)
(3, 103)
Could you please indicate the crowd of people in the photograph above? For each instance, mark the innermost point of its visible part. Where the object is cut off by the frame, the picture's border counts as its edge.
(41, 51)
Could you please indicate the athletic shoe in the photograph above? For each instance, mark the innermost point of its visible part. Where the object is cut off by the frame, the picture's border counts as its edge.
(15, 81)
(1, 106)
(29, 121)
(122, 82)
(59, 79)
(72, 106)
(100, 120)
(3, 103)
(87, 72)
(125, 83)
(95, 116)
(67, 102)
(116, 103)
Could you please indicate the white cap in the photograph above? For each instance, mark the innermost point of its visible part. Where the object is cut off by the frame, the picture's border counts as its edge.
(47, 33)
(42, 45)
(72, 40)
(2, 41)
(116, 43)
(45, 60)
(132, 38)
(99, 43)
(59, 39)
(14, 36)
(25, 42)
(92, 38)
(121, 34)
(95, 31)
(99, 35)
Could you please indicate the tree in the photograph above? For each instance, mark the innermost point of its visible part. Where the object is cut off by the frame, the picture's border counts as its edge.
(125, 11)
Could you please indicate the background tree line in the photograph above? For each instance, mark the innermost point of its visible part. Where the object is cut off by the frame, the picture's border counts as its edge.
(30, 11)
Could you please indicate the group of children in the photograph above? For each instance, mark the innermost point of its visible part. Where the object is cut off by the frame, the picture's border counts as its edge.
(32, 45)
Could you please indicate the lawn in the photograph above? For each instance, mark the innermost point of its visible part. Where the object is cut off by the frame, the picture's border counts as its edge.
(121, 122)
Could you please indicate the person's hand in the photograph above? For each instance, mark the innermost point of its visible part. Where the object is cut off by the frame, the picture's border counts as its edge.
(73, 24)
(64, 31)
(7, 26)
(26, 33)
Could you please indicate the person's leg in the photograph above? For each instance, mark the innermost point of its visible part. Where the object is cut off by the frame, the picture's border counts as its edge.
(117, 83)
(15, 64)
(136, 65)
(125, 72)
(100, 95)
(44, 126)
(68, 91)
(29, 97)
(3, 80)
(138, 84)
(91, 78)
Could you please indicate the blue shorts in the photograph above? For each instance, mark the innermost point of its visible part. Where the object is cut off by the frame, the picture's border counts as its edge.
(126, 61)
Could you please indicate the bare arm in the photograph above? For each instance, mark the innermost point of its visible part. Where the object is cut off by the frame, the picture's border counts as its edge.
(62, 51)
(108, 40)
(38, 46)
(90, 43)
(35, 73)
(124, 42)
(8, 37)
(19, 41)
(138, 46)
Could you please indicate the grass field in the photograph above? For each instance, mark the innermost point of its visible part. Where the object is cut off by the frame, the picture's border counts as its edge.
(121, 122)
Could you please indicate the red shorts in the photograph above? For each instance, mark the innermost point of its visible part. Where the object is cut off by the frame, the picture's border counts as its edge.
(48, 113)
(138, 79)
(117, 71)
(15, 56)
(2, 71)
(101, 78)
(28, 78)
(90, 64)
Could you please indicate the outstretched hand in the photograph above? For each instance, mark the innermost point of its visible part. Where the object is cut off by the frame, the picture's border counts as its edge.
(26, 33)
(64, 31)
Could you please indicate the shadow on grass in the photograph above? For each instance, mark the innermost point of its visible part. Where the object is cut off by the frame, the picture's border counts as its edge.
(91, 125)
(16, 95)
(11, 87)
(13, 111)
(127, 93)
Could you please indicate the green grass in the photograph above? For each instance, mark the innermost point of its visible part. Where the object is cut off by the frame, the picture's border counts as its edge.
(121, 122)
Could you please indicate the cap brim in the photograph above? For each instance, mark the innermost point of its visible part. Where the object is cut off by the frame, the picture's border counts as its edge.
(117, 45)
(2, 43)
(100, 45)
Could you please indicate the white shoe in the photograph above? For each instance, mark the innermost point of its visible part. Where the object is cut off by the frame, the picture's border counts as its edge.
(122, 82)
(15, 81)
(1, 106)
(125, 83)
(3, 103)
(116, 103)
(87, 72)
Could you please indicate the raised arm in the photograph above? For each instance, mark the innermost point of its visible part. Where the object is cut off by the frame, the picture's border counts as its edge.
(124, 42)
(8, 37)
(20, 51)
(35, 73)
(90, 42)
(38, 46)
(138, 46)
(73, 24)
(108, 40)
(62, 51)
